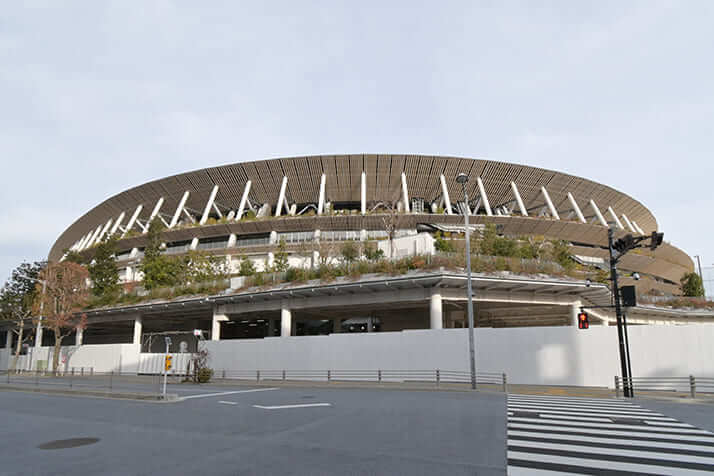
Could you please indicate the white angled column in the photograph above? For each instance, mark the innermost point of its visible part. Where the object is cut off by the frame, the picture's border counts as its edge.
(614, 217)
(209, 204)
(132, 220)
(286, 319)
(83, 242)
(484, 197)
(194, 243)
(519, 201)
(94, 236)
(628, 223)
(232, 238)
(243, 200)
(179, 208)
(154, 212)
(637, 227)
(363, 193)
(551, 207)
(117, 224)
(405, 193)
(105, 230)
(436, 317)
(138, 325)
(574, 311)
(445, 194)
(596, 210)
(576, 208)
(281, 197)
(321, 196)
(79, 337)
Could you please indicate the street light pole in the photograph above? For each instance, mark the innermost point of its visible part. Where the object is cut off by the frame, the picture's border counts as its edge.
(462, 179)
(621, 332)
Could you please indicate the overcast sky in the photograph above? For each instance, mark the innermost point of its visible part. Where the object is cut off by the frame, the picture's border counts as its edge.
(97, 97)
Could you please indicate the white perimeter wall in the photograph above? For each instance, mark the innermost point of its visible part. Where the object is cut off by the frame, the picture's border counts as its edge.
(536, 355)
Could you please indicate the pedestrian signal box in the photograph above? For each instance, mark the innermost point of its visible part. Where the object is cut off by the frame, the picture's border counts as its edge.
(169, 358)
(583, 322)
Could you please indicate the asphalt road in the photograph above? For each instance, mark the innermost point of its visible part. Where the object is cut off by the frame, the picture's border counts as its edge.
(287, 431)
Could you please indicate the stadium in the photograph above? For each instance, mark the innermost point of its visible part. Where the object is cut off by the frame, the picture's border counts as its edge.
(403, 205)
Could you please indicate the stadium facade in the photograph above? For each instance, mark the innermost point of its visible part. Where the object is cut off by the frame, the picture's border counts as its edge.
(245, 209)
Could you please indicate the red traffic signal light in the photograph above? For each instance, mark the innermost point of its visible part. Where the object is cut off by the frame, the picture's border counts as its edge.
(583, 322)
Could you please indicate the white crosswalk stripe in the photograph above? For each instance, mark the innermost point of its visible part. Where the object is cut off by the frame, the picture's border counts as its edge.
(572, 435)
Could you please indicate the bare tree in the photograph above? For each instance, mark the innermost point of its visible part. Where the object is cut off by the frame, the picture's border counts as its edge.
(66, 294)
(389, 223)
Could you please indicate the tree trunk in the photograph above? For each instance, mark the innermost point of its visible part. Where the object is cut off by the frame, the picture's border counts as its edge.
(56, 353)
(18, 347)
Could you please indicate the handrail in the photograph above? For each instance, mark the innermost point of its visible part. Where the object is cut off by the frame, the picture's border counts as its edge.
(690, 384)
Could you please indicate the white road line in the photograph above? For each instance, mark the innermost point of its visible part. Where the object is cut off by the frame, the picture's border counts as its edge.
(549, 398)
(599, 464)
(672, 425)
(227, 403)
(571, 413)
(584, 408)
(573, 418)
(605, 426)
(605, 404)
(303, 405)
(206, 395)
(632, 433)
(518, 471)
(515, 434)
(594, 450)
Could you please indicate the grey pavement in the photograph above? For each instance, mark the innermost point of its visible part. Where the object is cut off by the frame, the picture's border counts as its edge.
(363, 431)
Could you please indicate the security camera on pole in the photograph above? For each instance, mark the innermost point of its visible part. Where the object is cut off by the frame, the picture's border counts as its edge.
(462, 179)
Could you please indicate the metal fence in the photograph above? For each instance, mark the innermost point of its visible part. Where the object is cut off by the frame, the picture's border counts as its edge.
(436, 376)
(87, 380)
(688, 385)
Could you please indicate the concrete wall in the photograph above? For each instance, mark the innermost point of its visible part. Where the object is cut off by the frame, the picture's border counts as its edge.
(536, 355)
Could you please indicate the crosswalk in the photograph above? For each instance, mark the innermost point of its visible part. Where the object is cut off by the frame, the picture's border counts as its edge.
(574, 435)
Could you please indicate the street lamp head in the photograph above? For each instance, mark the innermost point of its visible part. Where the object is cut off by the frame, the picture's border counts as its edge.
(462, 178)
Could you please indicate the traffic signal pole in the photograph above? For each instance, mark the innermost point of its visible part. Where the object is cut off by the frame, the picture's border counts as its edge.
(626, 377)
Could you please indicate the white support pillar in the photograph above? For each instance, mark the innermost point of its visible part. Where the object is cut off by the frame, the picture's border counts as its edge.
(363, 193)
(436, 317)
(188, 215)
(614, 217)
(38, 334)
(281, 197)
(132, 219)
(79, 336)
(551, 207)
(599, 216)
(574, 311)
(243, 200)
(117, 224)
(628, 223)
(445, 194)
(405, 193)
(484, 198)
(216, 325)
(637, 227)
(209, 204)
(138, 325)
(519, 200)
(285, 321)
(232, 238)
(179, 208)
(576, 208)
(194, 243)
(154, 212)
(84, 241)
(321, 196)
(218, 211)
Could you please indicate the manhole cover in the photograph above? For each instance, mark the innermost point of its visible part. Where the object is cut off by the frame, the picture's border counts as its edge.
(68, 443)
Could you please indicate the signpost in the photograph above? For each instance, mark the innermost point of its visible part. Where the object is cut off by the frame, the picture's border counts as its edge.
(167, 363)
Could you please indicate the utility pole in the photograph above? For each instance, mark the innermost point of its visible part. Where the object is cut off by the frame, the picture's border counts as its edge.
(699, 265)
(462, 179)
(624, 367)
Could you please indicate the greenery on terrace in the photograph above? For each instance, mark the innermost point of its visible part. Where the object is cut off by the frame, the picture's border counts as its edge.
(169, 277)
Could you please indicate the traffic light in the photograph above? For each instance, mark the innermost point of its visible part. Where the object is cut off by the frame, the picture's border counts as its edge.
(656, 240)
(583, 322)
(623, 244)
(169, 358)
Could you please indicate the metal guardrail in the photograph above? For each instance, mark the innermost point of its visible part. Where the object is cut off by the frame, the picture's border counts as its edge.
(436, 376)
(84, 378)
(691, 384)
